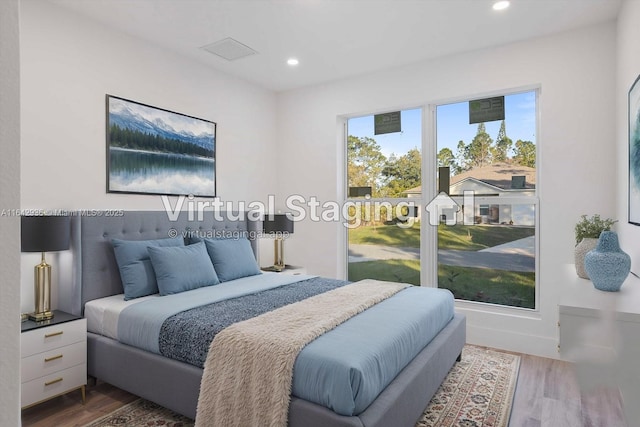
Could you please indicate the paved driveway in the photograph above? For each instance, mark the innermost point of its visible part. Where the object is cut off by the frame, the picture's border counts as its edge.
(518, 255)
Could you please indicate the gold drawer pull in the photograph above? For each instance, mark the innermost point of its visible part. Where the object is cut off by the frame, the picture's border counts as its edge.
(49, 359)
(53, 334)
(57, 380)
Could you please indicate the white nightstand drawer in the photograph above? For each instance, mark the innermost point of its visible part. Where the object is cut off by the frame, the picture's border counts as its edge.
(51, 337)
(58, 359)
(52, 385)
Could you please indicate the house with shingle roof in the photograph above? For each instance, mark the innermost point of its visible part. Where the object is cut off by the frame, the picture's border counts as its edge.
(500, 181)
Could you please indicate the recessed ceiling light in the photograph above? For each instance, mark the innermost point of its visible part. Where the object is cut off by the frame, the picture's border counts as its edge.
(501, 5)
(292, 61)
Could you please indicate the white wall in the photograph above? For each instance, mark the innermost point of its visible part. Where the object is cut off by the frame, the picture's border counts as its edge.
(68, 65)
(9, 224)
(628, 71)
(576, 72)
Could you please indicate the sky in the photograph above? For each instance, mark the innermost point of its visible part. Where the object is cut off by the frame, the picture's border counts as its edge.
(452, 125)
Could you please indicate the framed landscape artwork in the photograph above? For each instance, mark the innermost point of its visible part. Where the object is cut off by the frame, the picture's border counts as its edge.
(634, 153)
(155, 151)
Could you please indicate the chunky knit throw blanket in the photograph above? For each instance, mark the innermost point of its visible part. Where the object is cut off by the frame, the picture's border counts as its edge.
(248, 372)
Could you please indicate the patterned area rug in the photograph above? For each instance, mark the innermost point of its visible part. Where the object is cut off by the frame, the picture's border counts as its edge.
(477, 392)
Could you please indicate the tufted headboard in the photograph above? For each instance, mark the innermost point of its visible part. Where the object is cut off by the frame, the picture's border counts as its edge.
(95, 271)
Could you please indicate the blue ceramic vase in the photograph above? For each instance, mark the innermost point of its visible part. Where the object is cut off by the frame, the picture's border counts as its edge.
(607, 265)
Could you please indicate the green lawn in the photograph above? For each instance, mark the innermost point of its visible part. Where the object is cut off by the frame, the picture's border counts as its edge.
(394, 270)
(476, 237)
(388, 235)
(510, 288)
(460, 237)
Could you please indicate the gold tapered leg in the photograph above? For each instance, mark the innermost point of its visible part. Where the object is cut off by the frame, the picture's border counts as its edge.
(84, 395)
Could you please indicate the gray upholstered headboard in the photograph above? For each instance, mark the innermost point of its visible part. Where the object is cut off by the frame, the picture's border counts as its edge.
(95, 272)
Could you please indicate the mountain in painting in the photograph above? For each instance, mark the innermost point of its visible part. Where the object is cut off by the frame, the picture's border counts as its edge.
(126, 117)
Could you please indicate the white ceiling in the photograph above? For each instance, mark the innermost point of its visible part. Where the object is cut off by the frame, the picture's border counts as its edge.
(335, 39)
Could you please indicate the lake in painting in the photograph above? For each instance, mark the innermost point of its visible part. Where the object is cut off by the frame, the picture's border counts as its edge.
(160, 173)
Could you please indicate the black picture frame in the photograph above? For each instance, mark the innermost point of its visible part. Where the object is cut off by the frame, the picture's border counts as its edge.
(634, 153)
(151, 150)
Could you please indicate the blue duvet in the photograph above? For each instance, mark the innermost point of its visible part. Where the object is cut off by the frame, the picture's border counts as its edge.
(344, 369)
(347, 368)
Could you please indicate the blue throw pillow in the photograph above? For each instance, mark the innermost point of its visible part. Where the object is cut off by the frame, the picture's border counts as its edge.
(136, 272)
(181, 269)
(232, 258)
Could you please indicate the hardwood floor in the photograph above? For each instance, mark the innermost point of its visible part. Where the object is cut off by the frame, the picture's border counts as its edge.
(547, 395)
(68, 410)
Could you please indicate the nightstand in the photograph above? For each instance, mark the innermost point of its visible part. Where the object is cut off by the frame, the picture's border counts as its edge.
(53, 357)
(288, 269)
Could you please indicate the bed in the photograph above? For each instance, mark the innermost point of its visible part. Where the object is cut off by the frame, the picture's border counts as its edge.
(176, 384)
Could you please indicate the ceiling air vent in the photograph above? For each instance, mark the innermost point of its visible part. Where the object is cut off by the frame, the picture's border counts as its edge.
(229, 49)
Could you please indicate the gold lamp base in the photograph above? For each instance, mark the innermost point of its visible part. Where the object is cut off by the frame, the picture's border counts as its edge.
(41, 317)
(42, 290)
(278, 255)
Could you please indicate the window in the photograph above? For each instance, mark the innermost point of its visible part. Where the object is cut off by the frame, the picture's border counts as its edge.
(384, 174)
(491, 256)
(480, 206)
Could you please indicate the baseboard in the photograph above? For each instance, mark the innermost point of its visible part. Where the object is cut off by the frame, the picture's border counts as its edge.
(513, 341)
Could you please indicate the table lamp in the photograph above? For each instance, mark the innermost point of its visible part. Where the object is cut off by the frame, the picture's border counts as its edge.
(278, 224)
(44, 234)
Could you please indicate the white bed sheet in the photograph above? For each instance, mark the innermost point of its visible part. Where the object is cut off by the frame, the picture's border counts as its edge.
(102, 314)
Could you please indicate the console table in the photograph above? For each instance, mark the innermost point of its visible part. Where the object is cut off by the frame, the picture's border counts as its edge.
(596, 321)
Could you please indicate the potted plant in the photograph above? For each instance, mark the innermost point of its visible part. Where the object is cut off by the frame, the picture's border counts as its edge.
(587, 233)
